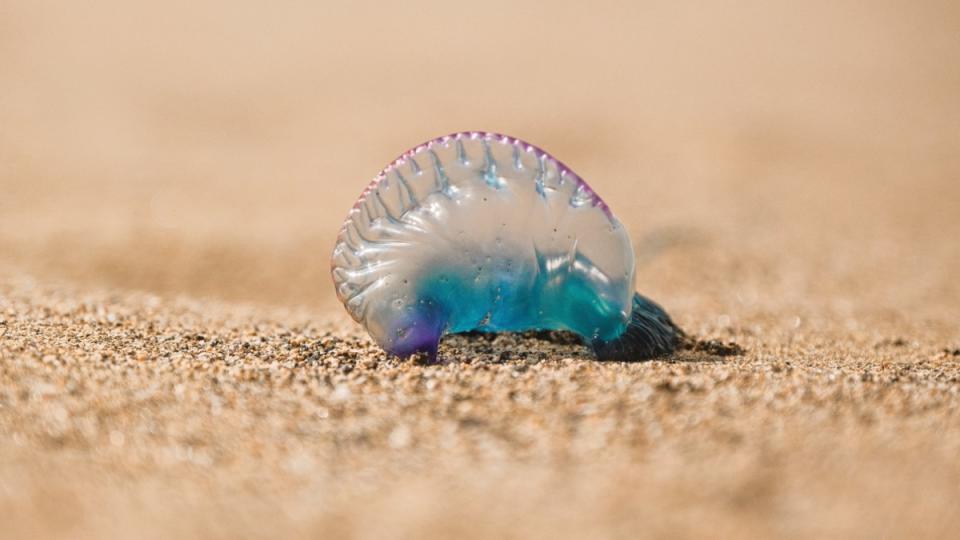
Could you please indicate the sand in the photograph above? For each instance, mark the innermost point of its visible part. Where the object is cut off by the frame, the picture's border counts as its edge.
(173, 362)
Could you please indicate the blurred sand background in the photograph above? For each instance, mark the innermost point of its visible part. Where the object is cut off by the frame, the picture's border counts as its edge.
(173, 361)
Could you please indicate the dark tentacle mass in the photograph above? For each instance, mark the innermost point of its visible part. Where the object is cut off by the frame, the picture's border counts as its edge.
(650, 333)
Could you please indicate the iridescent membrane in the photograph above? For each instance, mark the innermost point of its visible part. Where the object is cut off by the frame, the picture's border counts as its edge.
(479, 231)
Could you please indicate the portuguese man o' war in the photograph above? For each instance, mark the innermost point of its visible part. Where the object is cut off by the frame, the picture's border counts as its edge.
(483, 232)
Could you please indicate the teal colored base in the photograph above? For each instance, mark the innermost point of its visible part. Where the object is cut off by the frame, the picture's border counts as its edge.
(451, 300)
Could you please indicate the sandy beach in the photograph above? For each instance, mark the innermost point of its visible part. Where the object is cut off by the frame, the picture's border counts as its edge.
(174, 362)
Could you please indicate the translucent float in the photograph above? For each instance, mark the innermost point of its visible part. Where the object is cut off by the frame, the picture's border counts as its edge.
(483, 232)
